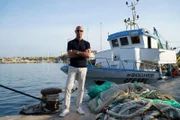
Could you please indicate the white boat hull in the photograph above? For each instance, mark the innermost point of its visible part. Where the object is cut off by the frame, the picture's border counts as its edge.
(118, 76)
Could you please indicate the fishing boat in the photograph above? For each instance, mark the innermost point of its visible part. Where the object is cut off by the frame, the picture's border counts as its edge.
(135, 54)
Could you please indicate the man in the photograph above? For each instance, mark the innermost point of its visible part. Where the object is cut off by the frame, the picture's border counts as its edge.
(78, 51)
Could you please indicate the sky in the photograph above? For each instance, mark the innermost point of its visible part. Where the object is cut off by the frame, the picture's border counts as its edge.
(43, 27)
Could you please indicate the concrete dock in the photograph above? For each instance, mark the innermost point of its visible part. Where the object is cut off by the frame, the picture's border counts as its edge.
(73, 115)
(170, 87)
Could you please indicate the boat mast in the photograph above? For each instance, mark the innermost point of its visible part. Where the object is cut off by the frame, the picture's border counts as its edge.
(156, 33)
(132, 23)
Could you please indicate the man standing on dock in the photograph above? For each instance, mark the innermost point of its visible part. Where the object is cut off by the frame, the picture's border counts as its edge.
(78, 52)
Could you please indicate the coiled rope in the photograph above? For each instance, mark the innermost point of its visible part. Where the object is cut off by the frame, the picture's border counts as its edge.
(132, 105)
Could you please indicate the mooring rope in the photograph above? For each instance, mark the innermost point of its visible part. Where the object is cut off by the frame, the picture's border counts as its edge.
(73, 90)
(23, 93)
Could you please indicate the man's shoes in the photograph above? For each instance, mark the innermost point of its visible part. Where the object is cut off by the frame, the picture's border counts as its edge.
(80, 111)
(64, 113)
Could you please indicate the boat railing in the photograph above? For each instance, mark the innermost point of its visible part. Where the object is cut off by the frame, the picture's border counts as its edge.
(99, 64)
(145, 66)
(110, 63)
(107, 62)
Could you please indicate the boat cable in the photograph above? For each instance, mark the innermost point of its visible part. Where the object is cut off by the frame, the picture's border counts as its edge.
(22, 93)
(73, 90)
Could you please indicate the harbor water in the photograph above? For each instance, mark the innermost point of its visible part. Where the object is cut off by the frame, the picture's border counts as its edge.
(30, 79)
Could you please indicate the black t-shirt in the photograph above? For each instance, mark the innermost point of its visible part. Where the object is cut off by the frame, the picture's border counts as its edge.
(80, 45)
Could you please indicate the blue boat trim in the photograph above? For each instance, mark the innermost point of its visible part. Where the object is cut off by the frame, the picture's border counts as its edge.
(64, 67)
(113, 69)
(130, 33)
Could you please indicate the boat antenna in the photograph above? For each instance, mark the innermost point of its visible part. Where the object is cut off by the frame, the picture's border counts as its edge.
(132, 23)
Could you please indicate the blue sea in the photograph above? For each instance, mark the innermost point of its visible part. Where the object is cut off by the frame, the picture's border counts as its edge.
(30, 79)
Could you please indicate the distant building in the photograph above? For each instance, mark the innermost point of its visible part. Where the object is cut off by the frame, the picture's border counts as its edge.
(63, 53)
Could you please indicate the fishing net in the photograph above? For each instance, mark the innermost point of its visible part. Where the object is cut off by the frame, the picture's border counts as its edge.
(117, 91)
(134, 101)
(95, 90)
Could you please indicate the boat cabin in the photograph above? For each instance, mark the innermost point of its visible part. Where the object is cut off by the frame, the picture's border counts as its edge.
(135, 49)
(140, 38)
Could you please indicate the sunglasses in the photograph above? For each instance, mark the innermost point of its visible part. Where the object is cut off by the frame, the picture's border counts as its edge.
(79, 30)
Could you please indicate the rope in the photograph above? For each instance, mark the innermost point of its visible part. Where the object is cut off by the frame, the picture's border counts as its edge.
(112, 111)
(167, 109)
(143, 107)
(151, 116)
(134, 104)
(22, 93)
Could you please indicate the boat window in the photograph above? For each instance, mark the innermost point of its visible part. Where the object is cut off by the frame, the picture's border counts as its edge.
(124, 41)
(149, 42)
(135, 40)
(115, 43)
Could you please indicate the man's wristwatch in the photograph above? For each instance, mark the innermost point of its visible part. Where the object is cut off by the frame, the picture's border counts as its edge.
(77, 53)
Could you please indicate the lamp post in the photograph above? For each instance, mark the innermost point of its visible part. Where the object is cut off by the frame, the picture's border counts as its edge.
(87, 33)
(101, 35)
